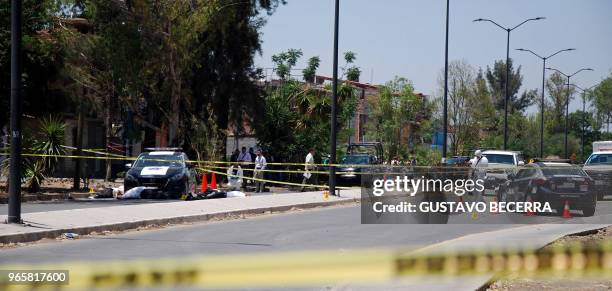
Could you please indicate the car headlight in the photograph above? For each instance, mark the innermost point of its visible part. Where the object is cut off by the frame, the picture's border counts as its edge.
(176, 177)
(129, 177)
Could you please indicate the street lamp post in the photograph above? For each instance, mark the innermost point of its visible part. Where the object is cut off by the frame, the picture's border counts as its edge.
(508, 30)
(14, 207)
(543, 81)
(332, 154)
(584, 92)
(567, 100)
(445, 117)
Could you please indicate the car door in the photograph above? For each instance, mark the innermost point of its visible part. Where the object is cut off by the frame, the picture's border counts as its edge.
(514, 186)
(529, 173)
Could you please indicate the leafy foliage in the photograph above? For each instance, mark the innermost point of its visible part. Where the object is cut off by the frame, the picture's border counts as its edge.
(311, 69)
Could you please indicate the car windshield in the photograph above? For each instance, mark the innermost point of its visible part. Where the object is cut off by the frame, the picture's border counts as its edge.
(597, 159)
(350, 160)
(562, 170)
(159, 161)
(500, 159)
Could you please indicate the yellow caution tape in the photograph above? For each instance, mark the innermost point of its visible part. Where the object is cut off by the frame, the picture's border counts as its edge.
(272, 181)
(322, 268)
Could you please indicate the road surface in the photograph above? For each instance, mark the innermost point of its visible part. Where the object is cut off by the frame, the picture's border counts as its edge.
(328, 228)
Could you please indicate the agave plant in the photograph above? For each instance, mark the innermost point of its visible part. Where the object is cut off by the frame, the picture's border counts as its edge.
(47, 144)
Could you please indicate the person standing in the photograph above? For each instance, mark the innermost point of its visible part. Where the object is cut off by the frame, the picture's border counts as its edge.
(234, 156)
(479, 165)
(244, 158)
(258, 173)
(234, 177)
(309, 165)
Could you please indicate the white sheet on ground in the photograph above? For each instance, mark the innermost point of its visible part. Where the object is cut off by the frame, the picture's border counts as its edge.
(133, 193)
(233, 194)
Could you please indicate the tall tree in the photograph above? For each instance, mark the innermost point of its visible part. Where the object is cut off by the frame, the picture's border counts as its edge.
(556, 86)
(602, 99)
(496, 78)
(396, 110)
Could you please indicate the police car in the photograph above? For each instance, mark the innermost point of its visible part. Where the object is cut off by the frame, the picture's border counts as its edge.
(164, 172)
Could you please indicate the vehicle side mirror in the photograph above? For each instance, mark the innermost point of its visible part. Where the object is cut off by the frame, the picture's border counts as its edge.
(128, 166)
(521, 163)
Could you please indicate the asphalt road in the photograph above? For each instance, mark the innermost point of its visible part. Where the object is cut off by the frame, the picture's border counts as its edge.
(331, 228)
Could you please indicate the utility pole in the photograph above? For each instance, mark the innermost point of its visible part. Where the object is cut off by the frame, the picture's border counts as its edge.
(445, 117)
(542, 103)
(567, 101)
(14, 207)
(507, 95)
(332, 154)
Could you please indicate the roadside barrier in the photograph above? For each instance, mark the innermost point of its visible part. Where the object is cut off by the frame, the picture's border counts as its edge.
(324, 268)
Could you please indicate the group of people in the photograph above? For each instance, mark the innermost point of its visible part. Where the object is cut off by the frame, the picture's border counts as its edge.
(256, 161)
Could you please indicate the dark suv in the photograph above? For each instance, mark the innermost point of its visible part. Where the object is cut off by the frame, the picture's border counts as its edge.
(163, 173)
(551, 182)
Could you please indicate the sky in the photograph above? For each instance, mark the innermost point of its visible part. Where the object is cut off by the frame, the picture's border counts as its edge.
(406, 37)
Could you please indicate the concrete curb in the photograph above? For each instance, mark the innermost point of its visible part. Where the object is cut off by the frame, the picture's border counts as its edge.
(48, 197)
(54, 233)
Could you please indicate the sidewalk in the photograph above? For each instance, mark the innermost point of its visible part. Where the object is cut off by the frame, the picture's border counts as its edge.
(52, 224)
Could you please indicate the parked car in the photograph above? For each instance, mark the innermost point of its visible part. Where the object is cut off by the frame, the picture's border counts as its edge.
(458, 161)
(501, 163)
(553, 182)
(355, 165)
(163, 172)
(599, 167)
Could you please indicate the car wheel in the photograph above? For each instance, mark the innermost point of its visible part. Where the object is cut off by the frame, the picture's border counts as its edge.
(589, 211)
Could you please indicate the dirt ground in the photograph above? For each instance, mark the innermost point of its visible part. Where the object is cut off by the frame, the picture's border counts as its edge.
(582, 285)
(52, 186)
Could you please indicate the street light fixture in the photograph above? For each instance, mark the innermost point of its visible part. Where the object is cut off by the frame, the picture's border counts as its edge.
(543, 80)
(567, 99)
(584, 92)
(508, 30)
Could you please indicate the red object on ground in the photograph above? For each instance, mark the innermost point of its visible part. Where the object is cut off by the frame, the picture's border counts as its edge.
(496, 211)
(566, 210)
(213, 181)
(204, 183)
(529, 212)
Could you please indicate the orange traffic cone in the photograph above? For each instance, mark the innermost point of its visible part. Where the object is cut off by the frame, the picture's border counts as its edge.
(204, 183)
(213, 181)
(529, 212)
(566, 210)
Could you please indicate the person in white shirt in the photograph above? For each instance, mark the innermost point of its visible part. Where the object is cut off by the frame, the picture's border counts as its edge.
(479, 165)
(234, 177)
(309, 165)
(258, 173)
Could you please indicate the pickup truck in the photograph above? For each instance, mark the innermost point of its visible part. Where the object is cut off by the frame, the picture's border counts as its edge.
(599, 168)
(501, 163)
